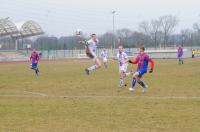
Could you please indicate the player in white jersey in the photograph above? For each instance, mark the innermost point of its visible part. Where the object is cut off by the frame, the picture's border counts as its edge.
(123, 65)
(91, 46)
(104, 57)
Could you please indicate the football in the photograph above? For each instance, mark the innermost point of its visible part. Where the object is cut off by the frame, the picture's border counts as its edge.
(79, 32)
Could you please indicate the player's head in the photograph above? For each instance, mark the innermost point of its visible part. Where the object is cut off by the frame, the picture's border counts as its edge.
(94, 36)
(34, 50)
(104, 49)
(121, 49)
(142, 49)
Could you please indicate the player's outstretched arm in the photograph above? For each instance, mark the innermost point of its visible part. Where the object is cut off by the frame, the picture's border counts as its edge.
(38, 58)
(152, 65)
(134, 61)
(82, 42)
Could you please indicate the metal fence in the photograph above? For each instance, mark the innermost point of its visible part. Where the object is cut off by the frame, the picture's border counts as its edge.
(170, 52)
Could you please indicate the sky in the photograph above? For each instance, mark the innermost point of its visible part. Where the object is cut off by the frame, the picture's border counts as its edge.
(64, 17)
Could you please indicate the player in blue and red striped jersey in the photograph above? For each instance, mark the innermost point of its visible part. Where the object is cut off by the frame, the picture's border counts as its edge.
(34, 58)
(180, 54)
(142, 60)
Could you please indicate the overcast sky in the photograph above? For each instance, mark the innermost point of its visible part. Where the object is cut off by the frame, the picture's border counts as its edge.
(63, 17)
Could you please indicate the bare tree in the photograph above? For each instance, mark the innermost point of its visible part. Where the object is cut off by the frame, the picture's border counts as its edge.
(152, 29)
(186, 37)
(196, 33)
(123, 36)
(145, 27)
(124, 33)
(156, 25)
(168, 24)
(196, 27)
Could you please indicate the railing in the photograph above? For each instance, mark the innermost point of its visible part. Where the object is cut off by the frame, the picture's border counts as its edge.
(62, 54)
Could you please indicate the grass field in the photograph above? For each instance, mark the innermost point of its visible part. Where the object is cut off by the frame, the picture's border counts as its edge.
(64, 99)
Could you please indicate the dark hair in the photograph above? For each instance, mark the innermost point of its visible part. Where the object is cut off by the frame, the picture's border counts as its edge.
(142, 48)
(93, 34)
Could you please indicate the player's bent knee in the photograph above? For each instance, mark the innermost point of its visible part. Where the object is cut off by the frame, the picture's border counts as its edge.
(138, 80)
(136, 74)
(98, 63)
(99, 66)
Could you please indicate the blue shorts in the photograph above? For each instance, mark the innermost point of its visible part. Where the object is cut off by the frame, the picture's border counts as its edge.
(34, 65)
(141, 72)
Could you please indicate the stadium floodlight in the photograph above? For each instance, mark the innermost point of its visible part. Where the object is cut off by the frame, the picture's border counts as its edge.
(113, 13)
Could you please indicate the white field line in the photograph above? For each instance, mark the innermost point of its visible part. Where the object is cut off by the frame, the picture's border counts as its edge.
(35, 93)
(38, 94)
(18, 95)
(23, 94)
(134, 97)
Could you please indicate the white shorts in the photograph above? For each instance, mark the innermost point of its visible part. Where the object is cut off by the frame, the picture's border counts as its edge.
(105, 60)
(123, 67)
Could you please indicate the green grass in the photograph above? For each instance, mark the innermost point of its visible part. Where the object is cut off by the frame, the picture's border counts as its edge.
(99, 105)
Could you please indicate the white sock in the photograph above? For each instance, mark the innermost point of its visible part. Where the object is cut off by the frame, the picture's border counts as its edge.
(121, 82)
(92, 68)
(128, 74)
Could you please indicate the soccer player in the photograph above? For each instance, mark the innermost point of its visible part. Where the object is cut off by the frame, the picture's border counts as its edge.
(180, 55)
(91, 46)
(34, 58)
(123, 65)
(104, 56)
(142, 60)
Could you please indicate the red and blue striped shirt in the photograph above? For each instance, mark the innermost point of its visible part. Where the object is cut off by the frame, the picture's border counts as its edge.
(143, 60)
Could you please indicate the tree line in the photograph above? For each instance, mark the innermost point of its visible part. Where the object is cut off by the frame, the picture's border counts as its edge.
(156, 33)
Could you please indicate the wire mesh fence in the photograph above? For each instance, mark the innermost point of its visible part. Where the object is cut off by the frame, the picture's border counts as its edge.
(161, 53)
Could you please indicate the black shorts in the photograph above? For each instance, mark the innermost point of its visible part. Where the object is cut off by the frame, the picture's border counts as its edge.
(90, 54)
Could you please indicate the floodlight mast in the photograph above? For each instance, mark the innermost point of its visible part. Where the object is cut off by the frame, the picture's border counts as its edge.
(113, 13)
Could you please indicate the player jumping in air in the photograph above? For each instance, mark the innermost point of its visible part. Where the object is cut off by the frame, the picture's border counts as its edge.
(123, 65)
(104, 56)
(91, 46)
(142, 60)
(34, 58)
(180, 55)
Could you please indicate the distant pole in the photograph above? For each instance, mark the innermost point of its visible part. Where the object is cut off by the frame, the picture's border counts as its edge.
(64, 47)
(16, 44)
(113, 12)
